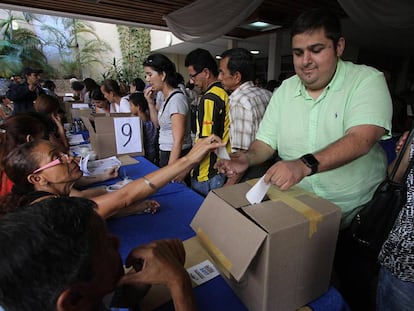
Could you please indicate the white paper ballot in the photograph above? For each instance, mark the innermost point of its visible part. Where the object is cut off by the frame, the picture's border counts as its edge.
(83, 164)
(222, 153)
(257, 192)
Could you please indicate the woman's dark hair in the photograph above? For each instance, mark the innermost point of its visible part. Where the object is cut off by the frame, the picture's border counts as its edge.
(15, 130)
(90, 84)
(18, 165)
(97, 94)
(110, 85)
(77, 85)
(242, 61)
(47, 104)
(46, 248)
(139, 100)
(139, 84)
(161, 63)
(318, 18)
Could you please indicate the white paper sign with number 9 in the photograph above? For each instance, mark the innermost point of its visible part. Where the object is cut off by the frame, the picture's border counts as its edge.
(127, 135)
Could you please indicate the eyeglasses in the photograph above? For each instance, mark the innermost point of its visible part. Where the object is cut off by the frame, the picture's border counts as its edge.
(62, 158)
(192, 76)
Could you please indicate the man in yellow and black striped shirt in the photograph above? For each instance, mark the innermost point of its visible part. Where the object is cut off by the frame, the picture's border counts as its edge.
(212, 116)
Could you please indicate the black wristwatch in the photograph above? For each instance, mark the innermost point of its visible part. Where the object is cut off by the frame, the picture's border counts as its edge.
(311, 162)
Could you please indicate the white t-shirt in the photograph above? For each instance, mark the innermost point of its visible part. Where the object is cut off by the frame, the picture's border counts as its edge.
(123, 105)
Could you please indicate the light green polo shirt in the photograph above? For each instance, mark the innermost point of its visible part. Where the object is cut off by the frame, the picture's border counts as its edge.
(295, 124)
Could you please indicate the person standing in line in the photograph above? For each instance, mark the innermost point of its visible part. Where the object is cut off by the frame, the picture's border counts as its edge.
(172, 118)
(112, 92)
(247, 106)
(24, 94)
(396, 276)
(326, 123)
(212, 117)
(139, 107)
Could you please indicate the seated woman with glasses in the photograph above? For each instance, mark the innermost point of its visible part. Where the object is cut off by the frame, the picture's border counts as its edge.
(40, 170)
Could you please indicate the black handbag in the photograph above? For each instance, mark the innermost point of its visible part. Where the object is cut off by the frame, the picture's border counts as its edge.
(372, 224)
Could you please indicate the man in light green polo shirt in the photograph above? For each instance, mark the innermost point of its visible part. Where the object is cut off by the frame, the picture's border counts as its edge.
(325, 122)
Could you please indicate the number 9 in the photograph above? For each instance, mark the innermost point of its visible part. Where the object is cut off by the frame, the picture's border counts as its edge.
(126, 130)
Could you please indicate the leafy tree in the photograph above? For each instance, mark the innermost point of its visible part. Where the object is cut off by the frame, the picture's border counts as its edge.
(20, 47)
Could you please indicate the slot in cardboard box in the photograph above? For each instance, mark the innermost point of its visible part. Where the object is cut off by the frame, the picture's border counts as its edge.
(276, 255)
(102, 136)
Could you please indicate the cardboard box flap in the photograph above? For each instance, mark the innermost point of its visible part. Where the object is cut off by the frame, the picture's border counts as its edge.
(234, 195)
(229, 237)
(88, 124)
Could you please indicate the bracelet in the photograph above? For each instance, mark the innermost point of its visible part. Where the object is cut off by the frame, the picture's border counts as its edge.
(149, 183)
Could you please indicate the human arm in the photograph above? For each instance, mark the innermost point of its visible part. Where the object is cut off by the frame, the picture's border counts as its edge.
(356, 142)
(110, 203)
(178, 129)
(60, 130)
(162, 262)
(405, 160)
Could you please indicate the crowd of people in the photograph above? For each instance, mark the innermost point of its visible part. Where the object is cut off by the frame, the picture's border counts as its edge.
(319, 129)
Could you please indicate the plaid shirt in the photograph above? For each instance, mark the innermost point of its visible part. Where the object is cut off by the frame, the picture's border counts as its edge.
(247, 106)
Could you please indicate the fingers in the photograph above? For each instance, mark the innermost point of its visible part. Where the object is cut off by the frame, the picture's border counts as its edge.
(156, 263)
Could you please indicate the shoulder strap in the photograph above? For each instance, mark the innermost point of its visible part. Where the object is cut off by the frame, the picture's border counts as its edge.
(168, 99)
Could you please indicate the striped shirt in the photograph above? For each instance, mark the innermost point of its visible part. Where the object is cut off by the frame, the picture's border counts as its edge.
(247, 106)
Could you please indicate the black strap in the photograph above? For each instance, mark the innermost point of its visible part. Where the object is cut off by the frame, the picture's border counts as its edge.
(168, 99)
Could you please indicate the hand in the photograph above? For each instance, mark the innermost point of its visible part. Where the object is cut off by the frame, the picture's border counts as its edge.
(150, 206)
(149, 95)
(285, 174)
(147, 206)
(203, 147)
(160, 262)
(401, 142)
(237, 164)
(110, 173)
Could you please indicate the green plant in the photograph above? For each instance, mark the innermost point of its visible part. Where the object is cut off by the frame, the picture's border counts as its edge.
(135, 46)
(20, 47)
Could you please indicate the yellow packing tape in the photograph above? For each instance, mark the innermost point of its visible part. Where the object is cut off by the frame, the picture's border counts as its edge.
(289, 197)
(223, 263)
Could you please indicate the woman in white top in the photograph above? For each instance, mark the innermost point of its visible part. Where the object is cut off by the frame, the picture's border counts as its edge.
(172, 118)
(112, 92)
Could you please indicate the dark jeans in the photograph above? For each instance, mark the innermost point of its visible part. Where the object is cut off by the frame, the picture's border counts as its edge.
(394, 294)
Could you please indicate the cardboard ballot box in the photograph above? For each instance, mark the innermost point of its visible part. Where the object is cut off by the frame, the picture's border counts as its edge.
(76, 109)
(276, 255)
(115, 134)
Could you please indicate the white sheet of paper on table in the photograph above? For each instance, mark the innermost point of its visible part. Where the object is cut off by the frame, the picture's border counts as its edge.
(75, 139)
(257, 192)
(100, 166)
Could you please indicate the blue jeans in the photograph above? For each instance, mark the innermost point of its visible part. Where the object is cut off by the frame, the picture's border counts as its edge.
(394, 294)
(204, 187)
